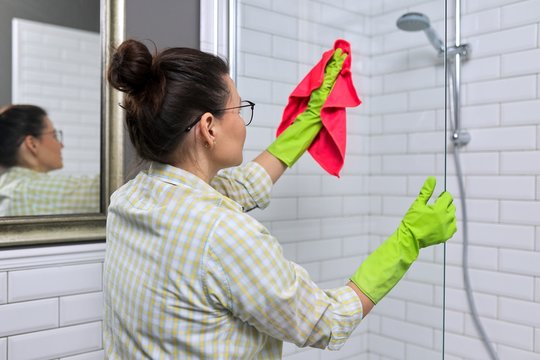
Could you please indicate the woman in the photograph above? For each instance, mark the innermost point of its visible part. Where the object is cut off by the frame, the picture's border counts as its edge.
(30, 147)
(187, 273)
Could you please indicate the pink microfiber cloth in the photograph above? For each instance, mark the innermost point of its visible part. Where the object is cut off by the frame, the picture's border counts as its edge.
(328, 148)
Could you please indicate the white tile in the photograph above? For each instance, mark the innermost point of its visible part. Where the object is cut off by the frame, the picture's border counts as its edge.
(81, 308)
(319, 207)
(537, 340)
(502, 235)
(23, 317)
(497, 331)
(388, 144)
(523, 88)
(56, 343)
(413, 291)
(390, 307)
(409, 121)
(522, 13)
(426, 99)
(520, 262)
(297, 186)
(505, 352)
(521, 312)
(296, 230)
(356, 245)
(410, 80)
(480, 22)
(479, 116)
(537, 291)
(346, 185)
(53, 281)
(279, 209)
(258, 138)
(409, 164)
(408, 332)
(3, 349)
(391, 103)
(269, 22)
(499, 283)
(94, 355)
(505, 41)
(520, 212)
(418, 352)
(426, 142)
(338, 227)
(520, 112)
(521, 63)
(464, 346)
(318, 250)
(500, 139)
(501, 187)
(386, 346)
(356, 205)
(481, 69)
(340, 269)
(456, 300)
(263, 67)
(3, 287)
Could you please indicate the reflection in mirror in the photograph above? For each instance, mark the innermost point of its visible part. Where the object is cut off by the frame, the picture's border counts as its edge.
(50, 59)
(30, 148)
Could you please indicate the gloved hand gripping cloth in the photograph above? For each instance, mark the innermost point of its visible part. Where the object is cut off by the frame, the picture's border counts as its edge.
(323, 95)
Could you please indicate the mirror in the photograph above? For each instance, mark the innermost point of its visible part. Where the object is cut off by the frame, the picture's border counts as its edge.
(52, 52)
(53, 57)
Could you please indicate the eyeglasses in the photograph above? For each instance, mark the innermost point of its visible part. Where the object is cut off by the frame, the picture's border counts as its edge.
(57, 134)
(244, 113)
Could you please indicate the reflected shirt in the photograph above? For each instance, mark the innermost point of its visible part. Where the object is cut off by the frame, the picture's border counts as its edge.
(188, 274)
(25, 192)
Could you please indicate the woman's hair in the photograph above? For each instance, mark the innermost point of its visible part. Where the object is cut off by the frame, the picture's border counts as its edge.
(17, 122)
(165, 93)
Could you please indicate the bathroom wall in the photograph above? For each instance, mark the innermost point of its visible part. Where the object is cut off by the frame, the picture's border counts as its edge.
(500, 96)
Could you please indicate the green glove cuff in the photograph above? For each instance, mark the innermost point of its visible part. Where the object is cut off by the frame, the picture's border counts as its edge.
(382, 270)
(297, 138)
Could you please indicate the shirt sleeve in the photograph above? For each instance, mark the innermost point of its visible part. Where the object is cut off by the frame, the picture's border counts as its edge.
(249, 185)
(59, 194)
(253, 280)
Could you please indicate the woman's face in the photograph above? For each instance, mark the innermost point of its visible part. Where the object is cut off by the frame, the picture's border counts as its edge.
(230, 145)
(49, 148)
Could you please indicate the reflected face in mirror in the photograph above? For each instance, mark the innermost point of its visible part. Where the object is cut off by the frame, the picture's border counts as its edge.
(47, 148)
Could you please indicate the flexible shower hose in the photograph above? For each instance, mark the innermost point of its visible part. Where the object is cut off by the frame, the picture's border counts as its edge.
(466, 279)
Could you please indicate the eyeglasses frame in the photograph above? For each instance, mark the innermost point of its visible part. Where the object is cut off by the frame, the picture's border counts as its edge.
(250, 104)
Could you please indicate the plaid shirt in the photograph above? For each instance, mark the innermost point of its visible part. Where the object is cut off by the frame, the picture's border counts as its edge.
(188, 274)
(25, 192)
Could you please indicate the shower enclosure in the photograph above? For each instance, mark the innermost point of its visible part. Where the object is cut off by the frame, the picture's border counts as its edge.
(396, 138)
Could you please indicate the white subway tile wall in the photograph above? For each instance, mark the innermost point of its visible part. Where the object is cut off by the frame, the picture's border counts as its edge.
(395, 139)
(51, 303)
(59, 69)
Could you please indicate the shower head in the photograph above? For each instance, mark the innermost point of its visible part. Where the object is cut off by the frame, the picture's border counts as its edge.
(414, 21)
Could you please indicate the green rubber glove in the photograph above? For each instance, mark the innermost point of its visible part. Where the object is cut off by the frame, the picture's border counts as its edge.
(295, 140)
(423, 225)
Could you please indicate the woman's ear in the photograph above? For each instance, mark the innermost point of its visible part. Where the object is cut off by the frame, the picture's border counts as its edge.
(30, 144)
(208, 129)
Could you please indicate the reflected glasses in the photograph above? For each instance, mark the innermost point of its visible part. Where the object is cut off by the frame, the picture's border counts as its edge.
(57, 134)
(245, 114)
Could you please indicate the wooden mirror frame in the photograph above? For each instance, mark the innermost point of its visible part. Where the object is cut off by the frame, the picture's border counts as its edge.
(37, 230)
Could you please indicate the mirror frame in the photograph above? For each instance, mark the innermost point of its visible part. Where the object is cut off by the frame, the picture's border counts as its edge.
(37, 230)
